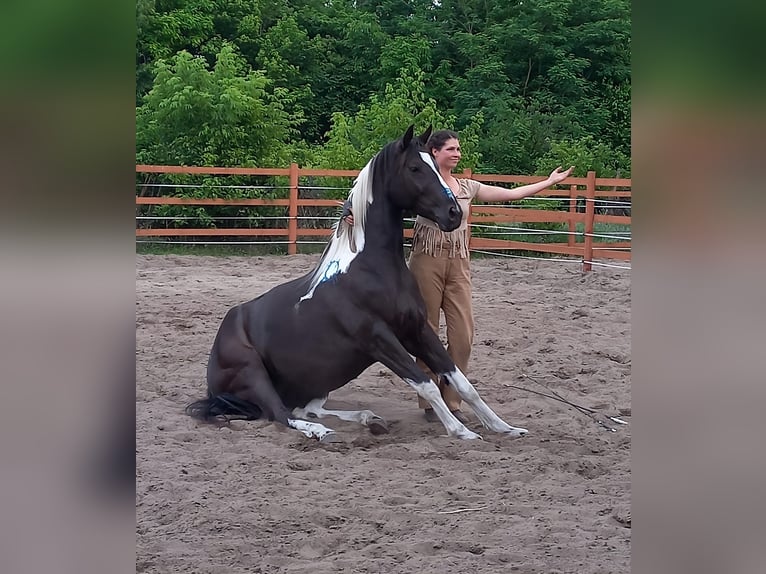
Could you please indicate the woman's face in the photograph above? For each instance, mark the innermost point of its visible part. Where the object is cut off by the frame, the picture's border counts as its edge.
(449, 155)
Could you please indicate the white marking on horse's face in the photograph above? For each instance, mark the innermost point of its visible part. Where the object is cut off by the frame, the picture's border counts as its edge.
(430, 161)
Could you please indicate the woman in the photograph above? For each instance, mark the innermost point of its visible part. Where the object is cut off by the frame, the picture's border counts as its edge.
(440, 260)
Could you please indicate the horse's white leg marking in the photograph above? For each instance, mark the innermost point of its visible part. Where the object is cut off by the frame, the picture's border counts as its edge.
(430, 392)
(311, 430)
(485, 414)
(313, 407)
(316, 407)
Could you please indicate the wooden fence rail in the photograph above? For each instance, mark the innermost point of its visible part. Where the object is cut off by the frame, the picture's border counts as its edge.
(577, 207)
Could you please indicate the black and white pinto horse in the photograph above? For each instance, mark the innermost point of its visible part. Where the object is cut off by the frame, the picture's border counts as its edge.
(281, 354)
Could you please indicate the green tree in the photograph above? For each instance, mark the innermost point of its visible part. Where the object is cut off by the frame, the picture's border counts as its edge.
(224, 116)
(542, 71)
(164, 28)
(353, 140)
(586, 154)
(539, 71)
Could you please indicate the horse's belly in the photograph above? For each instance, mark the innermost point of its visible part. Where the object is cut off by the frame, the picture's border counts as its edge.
(308, 364)
(332, 367)
(309, 349)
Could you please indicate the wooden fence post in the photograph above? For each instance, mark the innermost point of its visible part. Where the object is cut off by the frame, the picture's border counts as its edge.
(467, 174)
(292, 223)
(572, 211)
(590, 212)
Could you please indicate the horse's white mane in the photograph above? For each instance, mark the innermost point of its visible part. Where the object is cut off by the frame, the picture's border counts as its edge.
(347, 241)
(361, 197)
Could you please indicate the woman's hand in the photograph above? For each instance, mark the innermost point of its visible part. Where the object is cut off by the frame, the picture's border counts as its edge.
(347, 215)
(557, 175)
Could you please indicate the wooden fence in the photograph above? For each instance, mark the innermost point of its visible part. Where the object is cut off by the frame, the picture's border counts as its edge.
(583, 204)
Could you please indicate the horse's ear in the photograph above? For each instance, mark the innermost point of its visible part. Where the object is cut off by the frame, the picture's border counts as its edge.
(423, 139)
(408, 136)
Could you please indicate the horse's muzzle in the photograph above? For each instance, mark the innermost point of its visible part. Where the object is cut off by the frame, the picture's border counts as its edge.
(453, 218)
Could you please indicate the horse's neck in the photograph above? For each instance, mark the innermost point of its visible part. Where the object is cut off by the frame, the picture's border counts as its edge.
(384, 230)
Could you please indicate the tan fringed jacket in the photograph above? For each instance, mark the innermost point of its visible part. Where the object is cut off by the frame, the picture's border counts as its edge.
(429, 239)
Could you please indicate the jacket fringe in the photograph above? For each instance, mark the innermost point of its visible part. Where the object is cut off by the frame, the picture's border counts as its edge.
(437, 243)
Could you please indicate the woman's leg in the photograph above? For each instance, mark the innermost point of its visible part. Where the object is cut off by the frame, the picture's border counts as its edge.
(430, 275)
(458, 312)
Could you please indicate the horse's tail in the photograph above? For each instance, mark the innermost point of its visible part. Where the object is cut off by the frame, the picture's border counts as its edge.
(222, 405)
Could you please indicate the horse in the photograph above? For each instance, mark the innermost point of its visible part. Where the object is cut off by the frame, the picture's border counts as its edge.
(280, 355)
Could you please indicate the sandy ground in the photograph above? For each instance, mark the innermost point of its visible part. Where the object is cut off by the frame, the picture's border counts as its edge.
(259, 498)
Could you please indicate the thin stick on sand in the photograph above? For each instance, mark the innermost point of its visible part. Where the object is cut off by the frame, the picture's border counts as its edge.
(588, 412)
(461, 510)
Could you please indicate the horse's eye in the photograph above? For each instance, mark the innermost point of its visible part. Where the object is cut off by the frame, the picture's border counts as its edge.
(413, 168)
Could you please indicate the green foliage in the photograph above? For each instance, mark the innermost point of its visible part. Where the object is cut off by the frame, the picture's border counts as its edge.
(244, 82)
(586, 154)
(222, 117)
(353, 140)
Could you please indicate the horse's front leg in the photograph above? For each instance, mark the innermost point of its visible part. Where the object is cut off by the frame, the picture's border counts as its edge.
(386, 348)
(429, 349)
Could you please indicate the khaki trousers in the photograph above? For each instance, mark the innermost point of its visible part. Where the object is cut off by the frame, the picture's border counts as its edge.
(445, 284)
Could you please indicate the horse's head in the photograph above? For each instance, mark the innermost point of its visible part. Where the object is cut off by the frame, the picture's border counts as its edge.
(416, 184)
(402, 177)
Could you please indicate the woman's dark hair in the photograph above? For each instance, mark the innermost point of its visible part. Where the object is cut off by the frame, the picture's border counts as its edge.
(438, 139)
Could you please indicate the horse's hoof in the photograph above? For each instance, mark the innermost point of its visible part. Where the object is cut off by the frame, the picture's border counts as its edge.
(377, 426)
(330, 438)
(515, 432)
(469, 435)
